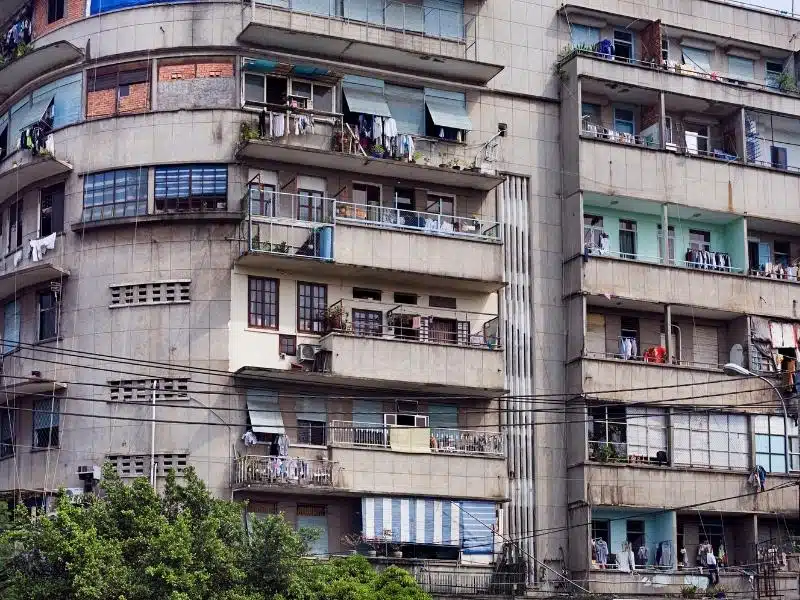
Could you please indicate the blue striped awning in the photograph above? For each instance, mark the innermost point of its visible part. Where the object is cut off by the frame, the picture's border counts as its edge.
(470, 525)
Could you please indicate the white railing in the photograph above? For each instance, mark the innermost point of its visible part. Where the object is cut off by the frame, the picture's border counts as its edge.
(352, 434)
(283, 470)
(385, 217)
(595, 250)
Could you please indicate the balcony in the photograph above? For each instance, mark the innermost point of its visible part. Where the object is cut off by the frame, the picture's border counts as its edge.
(35, 63)
(25, 169)
(435, 42)
(403, 244)
(325, 141)
(451, 442)
(285, 473)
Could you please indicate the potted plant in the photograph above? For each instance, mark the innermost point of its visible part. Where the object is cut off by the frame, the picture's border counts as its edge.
(247, 131)
(396, 552)
(377, 151)
(351, 541)
(786, 83)
(282, 248)
(456, 164)
(689, 591)
(374, 545)
(416, 157)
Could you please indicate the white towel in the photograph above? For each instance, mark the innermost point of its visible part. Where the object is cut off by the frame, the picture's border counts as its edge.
(40, 247)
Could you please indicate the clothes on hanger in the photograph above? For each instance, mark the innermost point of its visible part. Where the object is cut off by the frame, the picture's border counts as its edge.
(602, 553)
(278, 125)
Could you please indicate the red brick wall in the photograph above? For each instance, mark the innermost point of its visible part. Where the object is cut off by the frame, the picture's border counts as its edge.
(104, 102)
(650, 115)
(651, 42)
(191, 70)
(73, 10)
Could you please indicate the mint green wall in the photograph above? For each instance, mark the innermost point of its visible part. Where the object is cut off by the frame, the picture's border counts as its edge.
(658, 527)
(724, 238)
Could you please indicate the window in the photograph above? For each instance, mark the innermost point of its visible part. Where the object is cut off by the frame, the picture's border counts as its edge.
(314, 517)
(262, 302)
(6, 432)
(794, 447)
(623, 45)
(51, 210)
(624, 120)
(699, 240)
(770, 443)
(47, 303)
(592, 230)
(312, 302)
(781, 253)
(263, 200)
(287, 344)
(365, 194)
(191, 188)
(4, 142)
(55, 10)
(313, 95)
(367, 322)
(45, 422)
(263, 89)
(698, 138)
(600, 530)
(591, 112)
(668, 130)
(310, 432)
(442, 302)
(778, 157)
(696, 59)
(634, 533)
(629, 328)
(710, 440)
(440, 205)
(310, 206)
(112, 194)
(646, 433)
(366, 294)
(664, 49)
(118, 89)
(607, 432)
(670, 244)
(627, 238)
(11, 326)
(774, 74)
(312, 419)
(405, 298)
(742, 69)
(15, 225)
(583, 36)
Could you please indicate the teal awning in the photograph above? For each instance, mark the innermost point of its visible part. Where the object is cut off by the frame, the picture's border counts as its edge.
(366, 100)
(448, 113)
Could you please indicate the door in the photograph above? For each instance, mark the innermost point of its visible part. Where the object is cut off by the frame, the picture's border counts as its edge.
(595, 334)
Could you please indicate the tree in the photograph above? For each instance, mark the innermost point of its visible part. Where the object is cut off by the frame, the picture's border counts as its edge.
(134, 544)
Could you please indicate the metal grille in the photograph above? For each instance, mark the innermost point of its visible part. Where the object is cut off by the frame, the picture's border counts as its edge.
(141, 390)
(138, 465)
(156, 292)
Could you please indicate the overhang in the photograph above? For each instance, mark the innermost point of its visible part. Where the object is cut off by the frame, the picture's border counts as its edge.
(14, 281)
(368, 54)
(365, 165)
(18, 178)
(29, 386)
(9, 8)
(36, 63)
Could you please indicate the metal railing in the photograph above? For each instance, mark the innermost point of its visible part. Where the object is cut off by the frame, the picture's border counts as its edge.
(457, 27)
(284, 470)
(650, 359)
(465, 583)
(443, 440)
(385, 217)
(594, 250)
(593, 128)
(372, 319)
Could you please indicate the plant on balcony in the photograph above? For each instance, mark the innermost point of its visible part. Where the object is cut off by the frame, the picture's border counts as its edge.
(689, 591)
(606, 453)
(716, 591)
(248, 131)
(396, 551)
(377, 151)
(352, 541)
(416, 157)
(786, 82)
(335, 319)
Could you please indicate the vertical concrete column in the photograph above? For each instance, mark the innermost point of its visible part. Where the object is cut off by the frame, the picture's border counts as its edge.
(154, 85)
(741, 144)
(662, 117)
(664, 228)
(668, 330)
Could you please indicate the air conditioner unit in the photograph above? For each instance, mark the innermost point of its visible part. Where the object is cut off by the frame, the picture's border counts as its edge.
(307, 352)
(87, 473)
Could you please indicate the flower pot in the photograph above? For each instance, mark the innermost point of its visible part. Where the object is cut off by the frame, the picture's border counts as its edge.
(372, 553)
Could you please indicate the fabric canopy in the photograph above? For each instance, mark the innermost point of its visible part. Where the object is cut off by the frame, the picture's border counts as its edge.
(448, 113)
(366, 100)
(265, 413)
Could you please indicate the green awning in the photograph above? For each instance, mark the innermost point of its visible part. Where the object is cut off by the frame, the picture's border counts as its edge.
(448, 113)
(366, 100)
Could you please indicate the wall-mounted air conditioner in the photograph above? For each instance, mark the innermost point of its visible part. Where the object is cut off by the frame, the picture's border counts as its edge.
(307, 352)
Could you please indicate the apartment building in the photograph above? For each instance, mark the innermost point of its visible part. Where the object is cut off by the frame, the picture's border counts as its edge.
(399, 272)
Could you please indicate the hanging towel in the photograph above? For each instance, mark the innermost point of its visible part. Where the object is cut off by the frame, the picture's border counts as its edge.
(40, 247)
(390, 127)
(17, 258)
(278, 125)
(377, 128)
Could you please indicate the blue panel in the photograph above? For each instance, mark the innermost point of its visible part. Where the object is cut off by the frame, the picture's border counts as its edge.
(309, 71)
(316, 7)
(370, 81)
(396, 528)
(378, 518)
(447, 515)
(261, 65)
(443, 416)
(429, 507)
(100, 6)
(444, 19)
(764, 253)
(478, 521)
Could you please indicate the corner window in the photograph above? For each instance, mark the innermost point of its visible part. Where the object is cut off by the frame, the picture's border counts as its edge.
(46, 419)
(51, 210)
(771, 443)
(118, 89)
(7, 432)
(263, 89)
(262, 309)
(191, 188)
(623, 45)
(55, 10)
(312, 303)
(774, 74)
(47, 307)
(112, 194)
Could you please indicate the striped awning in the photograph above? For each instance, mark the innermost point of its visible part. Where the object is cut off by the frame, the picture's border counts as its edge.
(468, 524)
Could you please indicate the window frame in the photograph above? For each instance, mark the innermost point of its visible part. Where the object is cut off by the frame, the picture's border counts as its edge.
(696, 245)
(617, 119)
(54, 213)
(291, 81)
(306, 431)
(8, 418)
(440, 200)
(631, 44)
(593, 229)
(55, 10)
(173, 182)
(771, 76)
(628, 226)
(15, 225)
(691, 419)
(267, 299)
(42, 313)
(307, 320)
(367, 322)
(287, 344)
(607, 422)
(10, 346)
(53, 412)
(307, 208)
(120, 186)
(783, 437)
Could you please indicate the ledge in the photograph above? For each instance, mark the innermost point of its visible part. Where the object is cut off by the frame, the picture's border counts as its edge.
(29, 387)
(36, 63)
(19, 279)
(188, 217)
(17, 178)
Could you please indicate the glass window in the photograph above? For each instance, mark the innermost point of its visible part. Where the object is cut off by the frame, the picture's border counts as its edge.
(779, 157)
(15, 225)
(583, 36)
(287, 344)
(55, 10)
(311, 432)
(699, 240)
(112, 194)
(600, 529)
(263, 200)
(191, 188)
(11, 326)
(440, 205)
(624, 120)
(591, 112)
(323, 98)
(774, 74)
(664, 49)
(627, 238)
(312, 302)
(51, 210)
(647, 433)
(314, 517)
(741, 68)
(770, 443)
(710, 440)
(697, 59)
(45, 422)
(794, 447)
(254, 88)
(623, 45)
(607, 432)
(367, 322)
(262, 302)
(701, 135)
(592, 230)
(310, 206)
(781, 253)
(48, 315)
(670, 244)
(6, 432)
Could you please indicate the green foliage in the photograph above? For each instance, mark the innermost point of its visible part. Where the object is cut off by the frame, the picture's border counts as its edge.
(134, 544)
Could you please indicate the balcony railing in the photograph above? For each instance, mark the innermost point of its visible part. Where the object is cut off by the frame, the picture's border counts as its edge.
(465, 583)
(364, 318)
(709, 261)
(284, 471)
(607, 131)
(655, 355)
(351, 434)
(385, 217)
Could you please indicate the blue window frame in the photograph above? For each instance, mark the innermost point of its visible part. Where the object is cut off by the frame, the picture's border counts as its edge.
(191, 188)
(624, 120)
(121, 193)
(771, 443)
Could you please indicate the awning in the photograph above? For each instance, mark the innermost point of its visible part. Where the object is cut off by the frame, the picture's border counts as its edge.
(447, 113)
(366, 101)
(478, 527)
(412, 520)
(38, 110)
(265, 413)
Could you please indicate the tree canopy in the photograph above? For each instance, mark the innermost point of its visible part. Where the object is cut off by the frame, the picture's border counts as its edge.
(132, 543)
